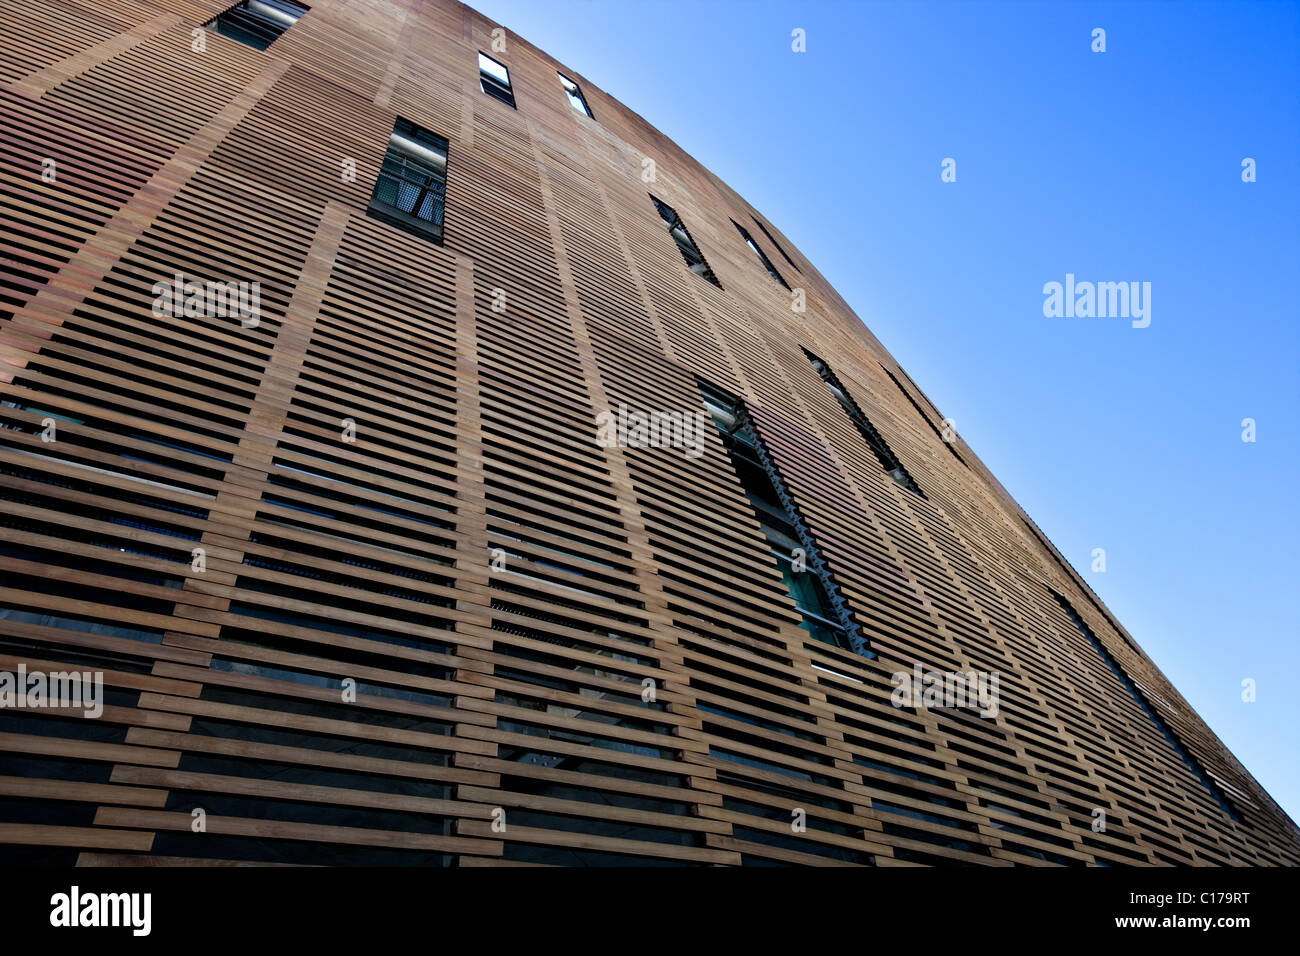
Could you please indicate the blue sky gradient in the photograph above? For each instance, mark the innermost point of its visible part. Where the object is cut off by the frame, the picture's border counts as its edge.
(1115, 166)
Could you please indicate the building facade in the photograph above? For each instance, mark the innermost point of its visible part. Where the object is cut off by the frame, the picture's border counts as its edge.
(424, 461)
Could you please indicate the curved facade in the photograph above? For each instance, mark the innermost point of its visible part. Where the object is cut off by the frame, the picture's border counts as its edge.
(438, 466)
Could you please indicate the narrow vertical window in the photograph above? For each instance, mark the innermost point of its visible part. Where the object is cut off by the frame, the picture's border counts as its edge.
(1142, 702)
(926, 418)
(775, 245)
(803, 570)
(494, 79)
(875, 441)
(685, 244)
(411, 189)
(574, 92)
(1072, 575)
(762, 257)
(257, 23)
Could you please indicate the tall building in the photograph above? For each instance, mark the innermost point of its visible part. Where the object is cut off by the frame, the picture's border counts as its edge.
(438, 466)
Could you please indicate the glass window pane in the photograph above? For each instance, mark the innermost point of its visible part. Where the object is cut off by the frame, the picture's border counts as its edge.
(411, 187)
(493, 69)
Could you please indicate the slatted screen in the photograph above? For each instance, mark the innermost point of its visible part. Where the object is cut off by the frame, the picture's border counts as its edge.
(363, 584)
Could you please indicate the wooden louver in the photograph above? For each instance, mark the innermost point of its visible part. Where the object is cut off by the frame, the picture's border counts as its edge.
(395, 483)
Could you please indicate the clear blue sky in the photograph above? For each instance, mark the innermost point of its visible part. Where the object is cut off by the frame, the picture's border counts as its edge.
(1115, 166)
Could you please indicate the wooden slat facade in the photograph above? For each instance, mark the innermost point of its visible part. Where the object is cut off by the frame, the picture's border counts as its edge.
(481, 690)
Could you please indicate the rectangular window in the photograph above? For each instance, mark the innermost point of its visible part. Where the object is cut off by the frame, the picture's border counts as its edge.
(494, 79)
(574, 92)
(257, 23)
(908, 395)
(875, 441)
(685, 244)
(1072, 575)
(412, 184)
(762, 257)
(802, 567)
(775, 245)
(1142, 702)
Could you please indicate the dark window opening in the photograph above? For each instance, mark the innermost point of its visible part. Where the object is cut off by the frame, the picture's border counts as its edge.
(875, 441)
(762, 256)
(574, 92)
(1072, 575)
(807, 580)
(775, 245)
(411, 190)
(1140, 698)
(685, 244)
(908, 395)
(257, 23)
(494, 80)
